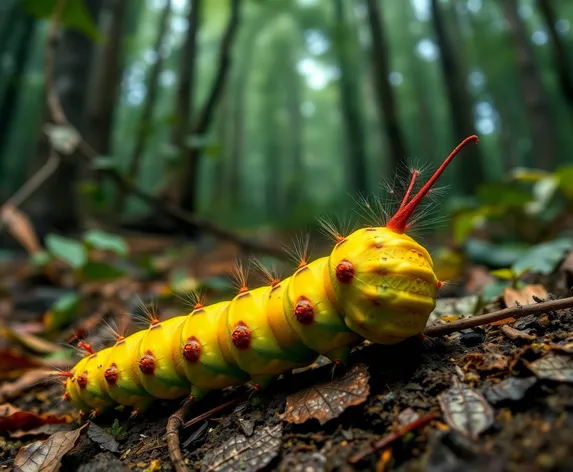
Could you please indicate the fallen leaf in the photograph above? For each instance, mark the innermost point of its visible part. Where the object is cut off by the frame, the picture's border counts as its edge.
(524, 296)
(14, 359)
(105, 440)
(553, 367)
(44, 430)
(12, 418)
(240, 453)
(20, 228)
(34, 343)
(513, 333)
(465, 409)
(29, 379)
(328, 400)
(46, 455)
(511, 389)
(153, 466)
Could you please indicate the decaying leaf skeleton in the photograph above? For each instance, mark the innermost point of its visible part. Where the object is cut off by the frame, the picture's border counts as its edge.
(377, 284)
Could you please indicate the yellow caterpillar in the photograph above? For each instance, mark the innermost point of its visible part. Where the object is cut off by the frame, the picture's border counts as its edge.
(377, 284)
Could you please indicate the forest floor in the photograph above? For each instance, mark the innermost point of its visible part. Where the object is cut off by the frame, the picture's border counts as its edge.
(493, 398)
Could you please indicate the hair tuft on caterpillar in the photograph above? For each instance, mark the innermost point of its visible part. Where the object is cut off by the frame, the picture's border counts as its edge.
(377, 284)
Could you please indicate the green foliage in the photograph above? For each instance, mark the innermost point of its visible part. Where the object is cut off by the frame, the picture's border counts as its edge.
(76, 16)
(106, 242)
(544, 258)
(63, 312)
(116, 429)
(72, 252)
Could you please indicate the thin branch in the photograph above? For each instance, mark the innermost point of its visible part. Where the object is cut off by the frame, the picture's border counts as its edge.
(54, 104)
(174, 424)
(511, 312)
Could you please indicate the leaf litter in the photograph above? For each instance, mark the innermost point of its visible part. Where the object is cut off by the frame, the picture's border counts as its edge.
(241, 453)
(465, 409)
(328, 400)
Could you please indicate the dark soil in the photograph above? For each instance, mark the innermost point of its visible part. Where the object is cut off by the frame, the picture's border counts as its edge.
(534, 432)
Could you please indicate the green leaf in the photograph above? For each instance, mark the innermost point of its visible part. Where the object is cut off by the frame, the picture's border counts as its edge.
(104, 163)
(465, 223)
(68, 250)
(505, 274)
(494, 290)
(544, 258)
(40, 259)
(116, 429)
(96, 271)
(503, 194)
(565, 177)
(63, 312)
(76, 16)
(106, 242)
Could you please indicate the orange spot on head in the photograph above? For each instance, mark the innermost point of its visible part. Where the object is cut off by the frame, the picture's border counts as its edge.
(120, 339)
(440, 284)
(243, 289)
(241, 336)
(304, 312)
(302, 264)
(154, 321)
(147, 363)
(339, 239)
(345, 271)
(82, 380)
(192, 350)
(111, 374)
(198, 306)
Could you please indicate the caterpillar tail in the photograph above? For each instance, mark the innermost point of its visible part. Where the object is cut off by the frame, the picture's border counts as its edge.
(377, 284)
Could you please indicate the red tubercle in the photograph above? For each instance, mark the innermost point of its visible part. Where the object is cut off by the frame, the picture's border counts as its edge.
(304, 311)
(111, 375)
(86, 347)
(67, 375)
(440, 284)
(192, 350)
(82, 380)
(241, 336)
(147, 363)
(398, 223)
(345, 271)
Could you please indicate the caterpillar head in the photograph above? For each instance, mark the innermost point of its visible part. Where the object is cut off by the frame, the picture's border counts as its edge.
(383, 280)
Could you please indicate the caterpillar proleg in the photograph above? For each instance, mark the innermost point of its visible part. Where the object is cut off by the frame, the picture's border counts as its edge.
(377, 284)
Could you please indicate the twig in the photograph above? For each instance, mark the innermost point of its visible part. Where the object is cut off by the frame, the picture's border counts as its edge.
(205, 415)
(174, 424)
(54, 105)
(511, 312)
(390, 438)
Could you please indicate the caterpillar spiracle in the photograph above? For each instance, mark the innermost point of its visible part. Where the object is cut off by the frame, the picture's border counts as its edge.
(377, 284)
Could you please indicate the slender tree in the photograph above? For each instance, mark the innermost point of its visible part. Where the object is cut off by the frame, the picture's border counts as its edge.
(27, 28)
(560, 56)
(350, 102)
(387, 108)
(146, 116)
(106, 76)
(189, 177)
(470, 170)
(534, 95)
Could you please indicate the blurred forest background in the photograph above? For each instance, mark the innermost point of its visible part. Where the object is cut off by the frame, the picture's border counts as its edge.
(267, 113)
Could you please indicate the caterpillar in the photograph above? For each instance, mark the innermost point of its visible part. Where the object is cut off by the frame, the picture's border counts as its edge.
(377, 284)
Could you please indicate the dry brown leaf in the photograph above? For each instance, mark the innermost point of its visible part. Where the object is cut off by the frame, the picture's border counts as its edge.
(14, 359)
(11, 390)
(46, 456)
(328, 400)
(44, 430)
(240, 453)
(20, 227)
(513, 333)
(34, 343)
(465, 409)
(524, 296)
(12, 419)
(553, 367)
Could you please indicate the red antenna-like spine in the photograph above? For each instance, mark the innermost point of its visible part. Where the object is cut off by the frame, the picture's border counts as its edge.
(399, 221)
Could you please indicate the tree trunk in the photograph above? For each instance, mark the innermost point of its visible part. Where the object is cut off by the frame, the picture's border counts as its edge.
(559, 50)
(470, 170)
(106, 77)
(27, 27)
(534, 95)
(189, 175)
(385, 95)
(55, 206)
(147, 111)
(350, 101)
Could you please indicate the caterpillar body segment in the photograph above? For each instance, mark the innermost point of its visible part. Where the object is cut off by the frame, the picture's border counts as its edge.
(377, 284)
